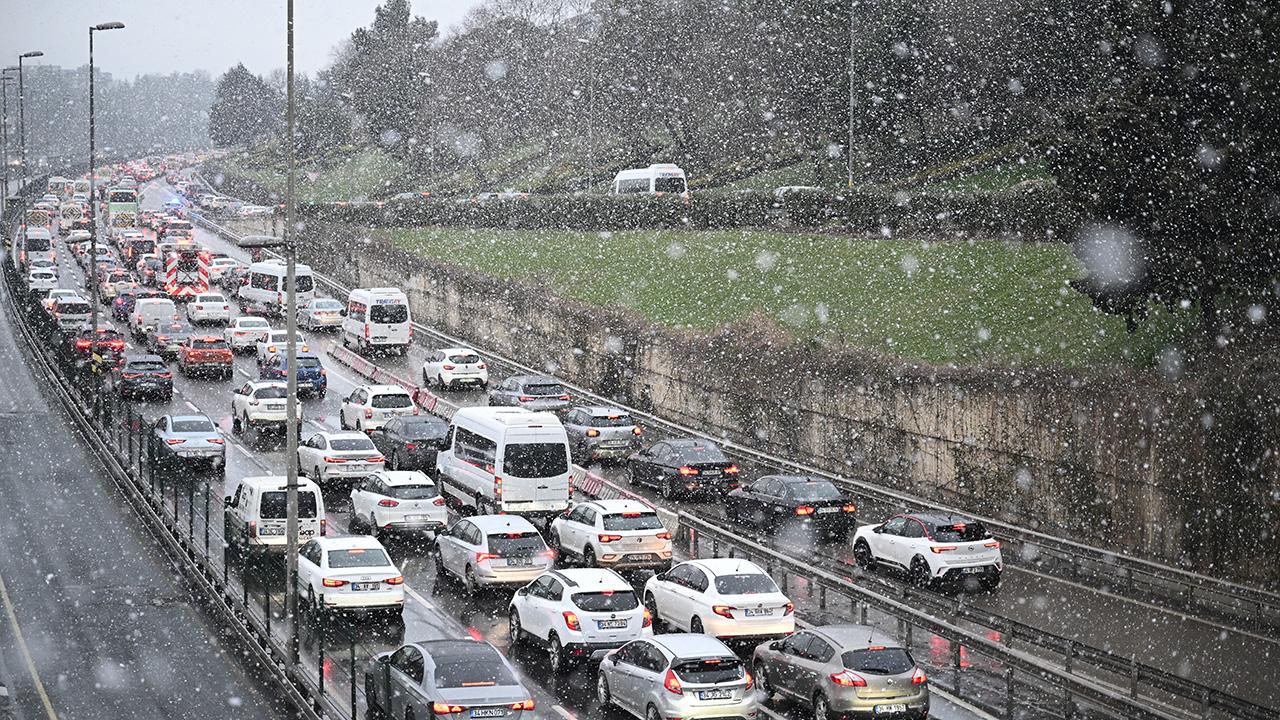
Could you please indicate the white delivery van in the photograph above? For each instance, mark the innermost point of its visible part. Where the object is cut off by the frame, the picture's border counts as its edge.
(264, 288)
(35, 243)
(150, 313)
(658, 179)
(505, 460)
(257, 511)
(377, 319)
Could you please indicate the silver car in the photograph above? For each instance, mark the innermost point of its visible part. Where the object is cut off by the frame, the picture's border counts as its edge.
(469, 678)
(844, 671)
(685, 676)
(601, 433)
(538, 393)
(321, 314)
(186, 440)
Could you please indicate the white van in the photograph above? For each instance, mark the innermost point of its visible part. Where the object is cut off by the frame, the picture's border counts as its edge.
(377, 319)
(264, 289)
(505, 460)
(150, 313)
(659, 179)
(257, 510)
(35, 243)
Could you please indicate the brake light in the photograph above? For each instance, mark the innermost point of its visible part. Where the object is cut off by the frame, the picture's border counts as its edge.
(162, 338)
(388, 502)
(333, 582)
(497, 485)
(447, 367)
(368, 413)
(324, 527)
(130, 376)
(271, 348)
(366, 332)
(803, 510)
(526, 705)
(397, 580)
(789, 608)
(751, 682)
(482, 556)
(571, 620)
(848, 678)
(938, 549)
(564, 397)
(445, 708)
(722, 611)
(609, 538)
(216, 441)
(82, 344)
(175, 441)
(918, 677)
(410, 446)
(438, 502)
(592, 432)
(672, 683)
(525, 398)
(688, 471)
(850, 507)
(482, 366)
(732, 470)
(993, 544)
(664, 535)
(648, 619)
(253, 528)
(636, 431)
(116, 344)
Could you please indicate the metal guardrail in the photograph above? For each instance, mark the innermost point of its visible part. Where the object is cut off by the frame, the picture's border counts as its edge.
(1134, 577)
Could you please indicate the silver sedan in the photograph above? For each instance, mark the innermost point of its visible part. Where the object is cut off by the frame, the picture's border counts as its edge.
(182, 441)
(320, 314)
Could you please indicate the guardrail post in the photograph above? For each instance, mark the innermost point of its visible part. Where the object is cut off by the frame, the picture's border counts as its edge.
(1133, 678)
(862, 613)
(191, 511)
(320, 666)
(266, 610)
(1008, 691)
(956, 651)
(1068, 654)
(715, 547)
(822, 595)
(206, 521)
(908, 639)
(1068, 705)
(351, 659)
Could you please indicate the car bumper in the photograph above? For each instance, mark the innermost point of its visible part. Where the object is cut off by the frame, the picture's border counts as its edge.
(985, 571)
(210, 367)
(468, 379)
(357, 601)
(323, 322)
(348, 472)
(135, 388)
(635, 561)
(522, 576)
(754, 629)
(411, 526)
(688, 708)
(848, 704)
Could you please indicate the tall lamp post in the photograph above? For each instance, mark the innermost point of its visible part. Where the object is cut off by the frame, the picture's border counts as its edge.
(291, 319)
(4, 136)
(22, 122)
(93, 201)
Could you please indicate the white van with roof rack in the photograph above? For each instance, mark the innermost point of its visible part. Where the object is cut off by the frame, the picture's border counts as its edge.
(264, 290)
(377, 319)
(657, 179)
(505, 460)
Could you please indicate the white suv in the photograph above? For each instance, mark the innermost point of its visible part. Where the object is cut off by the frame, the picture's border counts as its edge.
(208, 308)
(245, 331)
(577, 613)
(369, 407)
(721, 597)
(613, 533)
(932, 547)
(397, 501)
(259, 405)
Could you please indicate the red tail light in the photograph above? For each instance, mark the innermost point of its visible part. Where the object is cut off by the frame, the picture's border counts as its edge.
(448, 367)
(848, 678)
(397, 580)
(526, 705)
(131, 376)
(672, 683)
(663, 536)
(334, 460)
(410, 446)
(438, 502)
(993, 544)
(482, 556)
(445, 708)
(732, 470)
(324, 527)
(525, 398)
(849, 507)
(216, 441)
(609, 538)
(939, 549)
(388, 502)
(253, 528)
(723, 611)
(790, 608)
(636, 431)
(918, 677)
(804, 510)
(333, 582)
(592, 432)
(368, 413)
(564, 397)
(688, 471)
(175, 441)
(751, 682)
(375, 459)
(116, 344)
(648, 619)
(482, 366)
(571, 620)
(166, 374)
(82, 344)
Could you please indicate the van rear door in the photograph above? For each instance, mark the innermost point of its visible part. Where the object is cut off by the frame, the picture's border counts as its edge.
(273, 515)
(535, 472)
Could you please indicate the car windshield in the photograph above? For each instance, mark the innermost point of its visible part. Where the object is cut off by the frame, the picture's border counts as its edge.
(274, 505)
(209, 344)
(389, 314)
(391, 400)
(464, 359)
(699, 454)
(813, 491)
(708, 670)
(879, 661)
(516, 544)
(358, 557)
(351, 444)
(272, 393)
(545, 389)
(195, 425)
(146, 366)
(472, 672)
(73, 308)
(421, 491)
(535, 460)
(745, 584)
(965, 531)
(632, 521)
(606, 601)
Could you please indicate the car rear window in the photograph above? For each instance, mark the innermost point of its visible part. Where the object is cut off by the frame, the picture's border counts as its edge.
(618, 420)
(535, 460)
(327, 305)
(472, 672)
(606, 601)
(147, 366)
(389, 314)
(73, 308)
(632, 521)
(254, 323)
(391, 400)
(274, 505)
(209, 298)
(308, 362)
(699, 454)
(358, 557)
(881, 661)
(516, 544)
(209, 344)
(272, 393)
(351, 444)
(198, 425)
(708, 670)
(961, 532)
(423, 491)
(464, 359)
(745, 584)
(820, 490)
(425, 430)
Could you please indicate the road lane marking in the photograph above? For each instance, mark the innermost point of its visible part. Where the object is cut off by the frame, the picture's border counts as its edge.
(564, 713)
(26, 653)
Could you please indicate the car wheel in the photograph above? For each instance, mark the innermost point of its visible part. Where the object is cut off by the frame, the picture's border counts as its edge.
(359, 427)
(554, 542)
(408, 714)
(514, 631)
(441, 575)
(469, 581)
(374, 530)
(589, 557)
(919, 573)
(821, 707)
(426, 379)
(666, 488)
(651, 713)
(695, 625)
(353, 524)
(235, 424)
(990, 581)
(762, 680)
(862, 555)
(395, 460)
(559, 661)
(342, 420)
(603, 696)
(440, 379)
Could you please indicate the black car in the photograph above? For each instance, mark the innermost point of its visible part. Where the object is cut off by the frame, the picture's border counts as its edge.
(411, 443)
(142, 376)
(774, 500)
(686, 466)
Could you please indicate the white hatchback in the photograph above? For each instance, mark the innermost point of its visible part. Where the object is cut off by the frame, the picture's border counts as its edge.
(349, 573)
(485, 550)
(397, 501)
(329, 456)
(244, 332)
(451, 367)
(727, 598)
(932, 547)
(613, 533)
(208, 308)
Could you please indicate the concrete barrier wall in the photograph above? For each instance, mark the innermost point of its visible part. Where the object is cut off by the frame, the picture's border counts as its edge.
(1180, 471)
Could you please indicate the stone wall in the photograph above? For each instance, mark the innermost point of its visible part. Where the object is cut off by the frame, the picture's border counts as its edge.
(1180, 471)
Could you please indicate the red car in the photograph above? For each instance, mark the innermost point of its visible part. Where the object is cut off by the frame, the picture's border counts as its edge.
(205, 355)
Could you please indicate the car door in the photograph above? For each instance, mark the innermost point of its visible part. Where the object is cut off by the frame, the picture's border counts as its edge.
(351, 407)
(911, 542)
(761, 501)
(884, 544)
(694, 595)
(650, 666)
(624, 678)
(307, 457)
(670, 594)
(405, 670)
(309, 559)
(786, 670)
(239, 399)
(383, 438)
(360, 497)
(583, 528)
(458, 544)
(533, 618)
(642, 464)
(810, 662)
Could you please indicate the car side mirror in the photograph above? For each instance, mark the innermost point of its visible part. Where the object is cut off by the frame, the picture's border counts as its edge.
(775, 644)
(877, 529)
(523, 591)
(226, 502)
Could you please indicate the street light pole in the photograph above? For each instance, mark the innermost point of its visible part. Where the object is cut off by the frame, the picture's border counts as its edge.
(93, 215)
(291, 318)
(22, 122)
(4, 138)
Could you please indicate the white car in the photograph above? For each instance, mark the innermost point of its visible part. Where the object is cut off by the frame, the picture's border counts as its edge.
(369, 407)
(260, 405)
(57, 294)
(208, 308)
(252, 210)
(320, 314)
(277, 341)
(41, 280)
(613, 533)
(244, 332)
(931, 547)
(219, 265)
(577, 613)
(487, 550)
(721, 597)
(398, 501)
(329, 456)
(450, 367)
(349, 573)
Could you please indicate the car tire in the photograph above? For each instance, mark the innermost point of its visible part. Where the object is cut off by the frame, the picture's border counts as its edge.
(353, 524)
(441, 573)
(374, 530)
(395, 460)
(666, 489)
(426, 379)
(235, 424)
(556, 655)
(603, 695)
(342, 420)
(514, 631)
(862, 555)
(469, 586)
(651, 713)
(821, 707)
(589, 557)
(695, 625)
(919, 573)
(762, 679)
(440, 380)
(554, 543)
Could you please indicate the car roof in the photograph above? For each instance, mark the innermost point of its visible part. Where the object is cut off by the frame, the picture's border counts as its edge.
(592, 579)
(348, 542)
(796, 479)
(602, 410)
(179, 418)
(404, 477)
(850, 636)
(728, 566)
(452, 648)
(940, 519)
(143, 358)
(267, 383)
(621, 505)
(386, 389)
(499, 523)
(252, 317)
(689, 442)
(337, 434)
(457, 350)
(523, 379)
(687, 645)
(274, 482)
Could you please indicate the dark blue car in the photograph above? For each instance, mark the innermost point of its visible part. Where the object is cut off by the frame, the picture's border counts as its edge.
(126, 299)
(312, 378)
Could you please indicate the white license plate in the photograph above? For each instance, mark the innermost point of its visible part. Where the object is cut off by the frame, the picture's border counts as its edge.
(711, 473)
(270, 531)
(488, 712)
(611, 624)
(519, 562)
(828, 511)
(640, 557)
(757, 612)
(417, 518)
(364, 586)
(887, 709)
(972, 570)
(715, 694)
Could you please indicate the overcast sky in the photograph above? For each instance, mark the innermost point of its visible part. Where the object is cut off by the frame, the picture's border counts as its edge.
(163, 36)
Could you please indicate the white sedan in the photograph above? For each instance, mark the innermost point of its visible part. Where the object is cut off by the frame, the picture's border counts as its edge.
(338, 455)
(721, 597)
(397, 501)
(349, 573)
(208, 308)
(244, 332)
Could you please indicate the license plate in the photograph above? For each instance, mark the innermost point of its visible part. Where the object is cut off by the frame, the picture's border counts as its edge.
(895, 708)
(364, 586)
(715, 694)
(640, 557)
(757, 612)
(488, 712)
(972, 570)
(827, 511)
(611, 624)
(711, 473)
(270, 531)
(519, 562)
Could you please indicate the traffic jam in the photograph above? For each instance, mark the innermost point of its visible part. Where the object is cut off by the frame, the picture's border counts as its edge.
(480, 506)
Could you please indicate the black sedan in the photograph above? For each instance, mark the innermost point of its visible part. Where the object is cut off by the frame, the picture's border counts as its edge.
(686, 466)
(411, 443)
(775, 500)
(143, 376)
